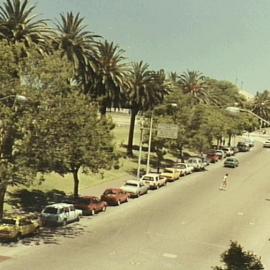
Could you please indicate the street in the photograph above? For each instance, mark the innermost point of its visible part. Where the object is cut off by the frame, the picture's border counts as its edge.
(183, 226)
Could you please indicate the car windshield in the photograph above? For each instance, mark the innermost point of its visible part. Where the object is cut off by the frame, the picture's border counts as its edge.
(84, 201)
(50, 210)
(131, 184)
(107, 192)
(148, 178)
(230, 159)
(181, 166)
(8, 221)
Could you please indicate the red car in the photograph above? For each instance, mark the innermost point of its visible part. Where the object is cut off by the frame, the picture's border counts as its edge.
(90, 205)
(212, 156)
(114, 196)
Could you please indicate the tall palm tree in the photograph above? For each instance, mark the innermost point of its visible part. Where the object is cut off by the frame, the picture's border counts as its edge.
(78, 45)
(147, 89)
(19, 25)
(194, 84)
(111, 78)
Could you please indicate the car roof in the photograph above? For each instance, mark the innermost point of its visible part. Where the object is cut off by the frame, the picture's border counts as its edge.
(88, 197)
(59, 205)
(133, 181)
(151, 174)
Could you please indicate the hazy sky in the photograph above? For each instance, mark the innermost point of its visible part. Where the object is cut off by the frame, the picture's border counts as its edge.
(224, 39)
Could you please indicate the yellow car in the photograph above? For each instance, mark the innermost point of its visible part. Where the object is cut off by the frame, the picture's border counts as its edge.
(13, 228)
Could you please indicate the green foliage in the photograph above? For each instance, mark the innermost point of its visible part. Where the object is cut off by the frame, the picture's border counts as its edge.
(235, 258)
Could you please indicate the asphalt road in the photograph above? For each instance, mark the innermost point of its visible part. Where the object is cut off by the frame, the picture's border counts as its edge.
(184, 226)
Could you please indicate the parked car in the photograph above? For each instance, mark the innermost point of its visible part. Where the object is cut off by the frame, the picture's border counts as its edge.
(235, 150)
(154, 180)
(212, 156)
(114, 196)
(243, 147)
(228, 151)
(250, 142)
(13, 228)
(196, 163)
(135, 188)
(231, 162)
(90, 205)
(184, 168)
(266, 144)
(220, 153)
(171, 174)
(60, 214)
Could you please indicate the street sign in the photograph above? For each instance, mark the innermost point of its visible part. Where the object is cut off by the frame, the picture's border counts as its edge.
(169, 131)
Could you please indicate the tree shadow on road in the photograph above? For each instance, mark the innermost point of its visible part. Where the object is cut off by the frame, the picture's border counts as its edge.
(49, 235)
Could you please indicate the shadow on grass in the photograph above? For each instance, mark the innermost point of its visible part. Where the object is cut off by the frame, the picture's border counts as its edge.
(34, 200)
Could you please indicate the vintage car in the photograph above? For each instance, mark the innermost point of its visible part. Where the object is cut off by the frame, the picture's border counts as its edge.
(90, 205)
(60, 214)
(154, 180)
(114, 196)
(231, 162)
(135, 188)
(171, 174)
(13, 228)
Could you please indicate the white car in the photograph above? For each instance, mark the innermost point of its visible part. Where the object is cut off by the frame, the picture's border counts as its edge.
(135, 188)
(60, 214)
(266, 144)
(184, 168)
(196, 163)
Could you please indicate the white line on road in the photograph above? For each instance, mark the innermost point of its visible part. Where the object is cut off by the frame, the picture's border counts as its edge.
(169, 255)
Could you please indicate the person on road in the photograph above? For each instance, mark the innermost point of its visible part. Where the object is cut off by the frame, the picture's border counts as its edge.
(224, 183)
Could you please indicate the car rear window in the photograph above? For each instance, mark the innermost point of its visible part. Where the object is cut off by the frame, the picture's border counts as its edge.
(8, 221)
(131, 184)
(148, 178)
(51, 210)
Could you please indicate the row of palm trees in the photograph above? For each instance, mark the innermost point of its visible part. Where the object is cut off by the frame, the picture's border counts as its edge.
(101, 68)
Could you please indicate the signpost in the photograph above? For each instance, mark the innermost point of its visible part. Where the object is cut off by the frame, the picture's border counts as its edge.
(167, 131)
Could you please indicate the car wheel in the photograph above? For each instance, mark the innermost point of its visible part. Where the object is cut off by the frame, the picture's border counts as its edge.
(103, 208)
(64, 223)
(118, 202)
(138, 195)
(78, 218)
(146, 191)
(126, 199)
(92, 212)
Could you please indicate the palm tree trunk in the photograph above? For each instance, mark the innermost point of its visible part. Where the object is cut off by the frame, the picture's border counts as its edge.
(133, 115)
(2, 200)
(76, 183)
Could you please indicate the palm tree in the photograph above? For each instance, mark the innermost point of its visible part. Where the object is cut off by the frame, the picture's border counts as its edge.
(261, 104)
(147, 89)
(111, 78)
(78, 45)
(193, 83)
(19, 25)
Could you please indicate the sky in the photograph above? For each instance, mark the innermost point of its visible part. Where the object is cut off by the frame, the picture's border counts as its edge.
(223, 39)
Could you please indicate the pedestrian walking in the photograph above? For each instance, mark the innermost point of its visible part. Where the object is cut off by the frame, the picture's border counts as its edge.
(224, 183)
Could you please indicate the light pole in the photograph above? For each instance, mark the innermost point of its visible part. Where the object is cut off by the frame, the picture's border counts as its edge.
(238, 110)
(149, 143)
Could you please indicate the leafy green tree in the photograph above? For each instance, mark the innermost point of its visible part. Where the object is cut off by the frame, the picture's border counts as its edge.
(235, 258)
(81, 141)
(111, 78)
(78, 45)
(147, 90)
(18, 24)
